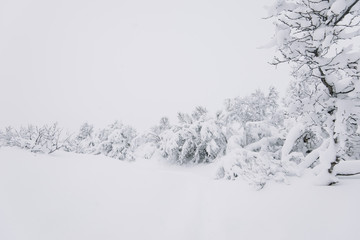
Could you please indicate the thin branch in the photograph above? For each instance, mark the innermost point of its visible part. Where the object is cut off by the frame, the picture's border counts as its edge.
(327, 85)
(347, 174)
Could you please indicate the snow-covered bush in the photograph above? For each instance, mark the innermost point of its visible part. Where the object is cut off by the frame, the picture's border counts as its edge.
(45, 139)
(253, 108)
(115, 141)
(197, 138)
(256, 134)
(255, 131)
(83, 142)
(143, 148)
(9, 137)
(164, 124)
(254, 167)
(254, 155)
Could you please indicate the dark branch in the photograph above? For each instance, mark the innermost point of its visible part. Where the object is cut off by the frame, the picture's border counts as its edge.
(346, 12)
(346, 92)
(347, 174)
(327, 85)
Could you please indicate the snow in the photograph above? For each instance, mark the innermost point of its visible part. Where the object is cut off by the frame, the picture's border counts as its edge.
(72, 196)
(338, 6)
(309, 159)
(319, 34)
(348, 167)
(293, 134)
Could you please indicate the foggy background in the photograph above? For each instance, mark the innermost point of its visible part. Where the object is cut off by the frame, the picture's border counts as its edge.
(73, 61)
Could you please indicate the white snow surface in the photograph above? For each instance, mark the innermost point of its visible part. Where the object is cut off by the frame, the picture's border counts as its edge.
(72, 196)
(338, 6)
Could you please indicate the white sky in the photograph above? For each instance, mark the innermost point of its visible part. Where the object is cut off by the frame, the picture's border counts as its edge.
(73, 61)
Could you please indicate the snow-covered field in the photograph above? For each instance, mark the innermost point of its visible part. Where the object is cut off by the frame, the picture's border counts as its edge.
(82, 197)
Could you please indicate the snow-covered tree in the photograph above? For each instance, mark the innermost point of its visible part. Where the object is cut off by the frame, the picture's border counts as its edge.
(86, 131)
(316, 37)
(258, 106)
(197, 138)
(116, 141)
(254, 154)
(154, 134)
(146, 144)
(84, 141)
(9, 137)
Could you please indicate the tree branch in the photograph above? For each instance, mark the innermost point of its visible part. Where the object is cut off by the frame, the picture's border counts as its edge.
(347, 174)
(327, 85)
(346, 12)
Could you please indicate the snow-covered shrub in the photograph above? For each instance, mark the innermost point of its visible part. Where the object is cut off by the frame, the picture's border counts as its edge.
(116, 141)
(197, 138)
(253, 108)
(254, 131)
(9, 137)
(256, 134)
(164, 124)
(254, 155)
(146, 150)
(169, 144)
(251, 118)
(83, 142)
(45, 139)
(254, 167)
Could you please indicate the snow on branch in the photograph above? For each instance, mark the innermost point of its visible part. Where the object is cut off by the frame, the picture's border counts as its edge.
(347, 168)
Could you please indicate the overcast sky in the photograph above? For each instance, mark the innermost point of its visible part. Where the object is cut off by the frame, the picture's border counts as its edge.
(73, 61)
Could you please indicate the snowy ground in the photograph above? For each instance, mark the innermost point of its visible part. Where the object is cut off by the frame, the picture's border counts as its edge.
(68, 196)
